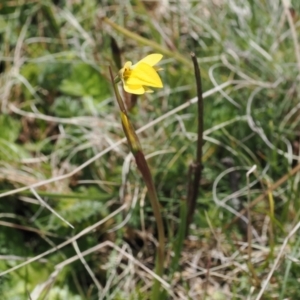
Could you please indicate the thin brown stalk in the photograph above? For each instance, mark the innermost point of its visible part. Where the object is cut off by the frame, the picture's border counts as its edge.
(196, 167)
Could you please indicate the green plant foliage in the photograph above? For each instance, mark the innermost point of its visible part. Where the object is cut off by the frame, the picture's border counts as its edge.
(86, 81)
(67, 107)
(61, 134)
(9, 150)
(76, 212)
(10, 128)
(62, 293)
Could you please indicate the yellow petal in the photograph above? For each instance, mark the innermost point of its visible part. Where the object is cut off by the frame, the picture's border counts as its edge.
(151, 59)
(134, 89)
(144, 74)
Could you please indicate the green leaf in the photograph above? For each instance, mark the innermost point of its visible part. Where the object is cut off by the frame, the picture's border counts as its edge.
(86, 81)
(10, 128)
(66, 107)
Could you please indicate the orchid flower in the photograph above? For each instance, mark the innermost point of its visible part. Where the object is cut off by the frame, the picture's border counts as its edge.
(138, 77)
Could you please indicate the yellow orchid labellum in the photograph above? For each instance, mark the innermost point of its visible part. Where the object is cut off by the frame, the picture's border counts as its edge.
(138, 77)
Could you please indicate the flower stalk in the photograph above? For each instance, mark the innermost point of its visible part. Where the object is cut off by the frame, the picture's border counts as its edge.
(143, 167)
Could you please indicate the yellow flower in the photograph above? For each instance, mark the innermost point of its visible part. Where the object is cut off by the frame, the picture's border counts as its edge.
(136, 78)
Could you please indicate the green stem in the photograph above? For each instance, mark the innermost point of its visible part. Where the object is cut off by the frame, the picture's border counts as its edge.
(143, 167)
